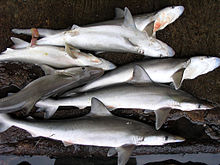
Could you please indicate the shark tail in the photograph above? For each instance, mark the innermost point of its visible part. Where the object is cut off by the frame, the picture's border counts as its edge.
(19, 43)
(22, 31)
(12, 104)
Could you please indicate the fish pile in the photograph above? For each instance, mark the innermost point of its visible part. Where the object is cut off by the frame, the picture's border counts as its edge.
(74, 78)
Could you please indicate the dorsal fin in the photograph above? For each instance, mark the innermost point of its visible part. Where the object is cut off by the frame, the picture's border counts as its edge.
(140, 76)
(128, 19)
(119, 13)
(19, 43)
(73, 48)
(98, 108)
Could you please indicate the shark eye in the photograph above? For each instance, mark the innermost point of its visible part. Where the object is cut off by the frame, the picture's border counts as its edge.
(172, 7)
(166, 138)
(83, 68)
(199, 105)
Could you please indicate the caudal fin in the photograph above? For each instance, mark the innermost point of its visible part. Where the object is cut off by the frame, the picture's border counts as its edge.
(19, 43)
(22, 31)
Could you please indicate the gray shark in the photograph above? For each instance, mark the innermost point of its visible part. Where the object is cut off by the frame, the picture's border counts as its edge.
(140, 93)
(46, 86)
(168, 70)
(98, 128)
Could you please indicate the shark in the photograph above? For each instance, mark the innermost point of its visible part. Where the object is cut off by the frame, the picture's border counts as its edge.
(111, 38)
(167, 70)
(140, 93)
(98, 128)
(53, 83)
(50, 55)
(150, 22)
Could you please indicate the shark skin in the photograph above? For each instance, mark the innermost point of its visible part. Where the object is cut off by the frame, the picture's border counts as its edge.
(98, 128)
(162, 18)
(111, 38)
(54, 83)
(49, 55)
(168, 70)
(140, 93)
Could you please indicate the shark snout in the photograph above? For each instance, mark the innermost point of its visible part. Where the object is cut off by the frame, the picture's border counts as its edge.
(171, 52)
(217, 61)
(207, 106)
(179, 139)
(180, 9)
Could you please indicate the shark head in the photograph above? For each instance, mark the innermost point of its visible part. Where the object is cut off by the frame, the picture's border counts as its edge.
(200, 65)
(167, 16)
(86, 72)
(160, 138)
(187, 102)
(105, 65)
(156, 48)
(195, 105)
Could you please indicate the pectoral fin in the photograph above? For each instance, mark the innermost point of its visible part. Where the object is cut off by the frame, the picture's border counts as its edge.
(111, 152)
(66, 144)
(124, 152)
(69, 52)
(178, 78)
(99, 52)
(73, 48)
(29, 106)
(161, 116)
(149, 29)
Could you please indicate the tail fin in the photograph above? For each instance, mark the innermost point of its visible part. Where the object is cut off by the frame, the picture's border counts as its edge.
(19, 43)
(22, 31)
(4, 124)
